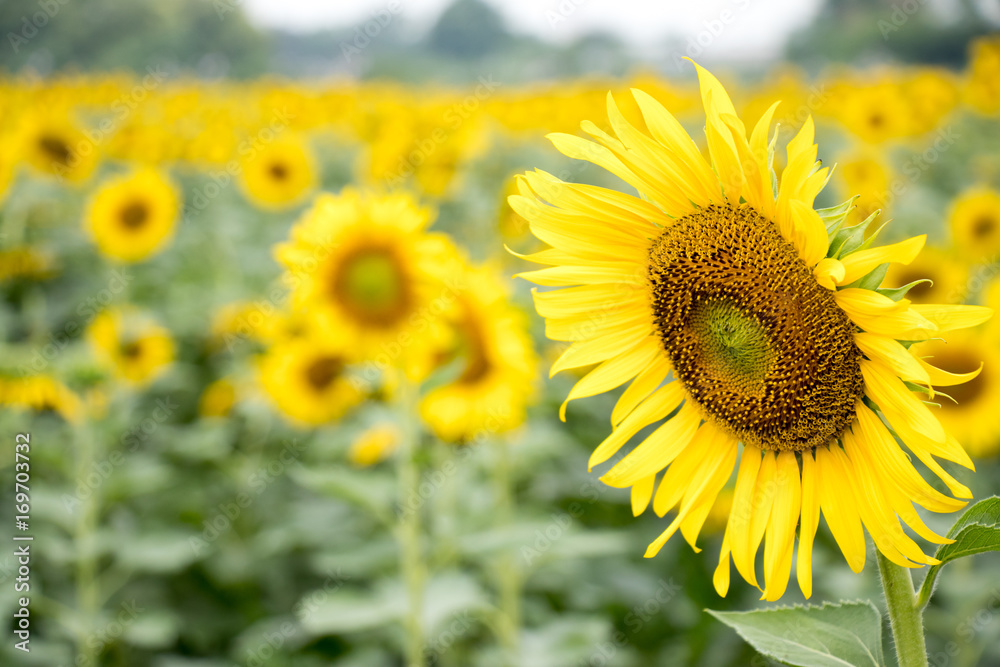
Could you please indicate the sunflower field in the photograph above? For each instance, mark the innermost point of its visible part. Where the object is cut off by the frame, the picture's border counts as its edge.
(365, 373)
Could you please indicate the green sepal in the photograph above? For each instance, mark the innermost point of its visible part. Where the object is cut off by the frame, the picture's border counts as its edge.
(897, 293)
(850, 239)
(833, 217)
(872, 279)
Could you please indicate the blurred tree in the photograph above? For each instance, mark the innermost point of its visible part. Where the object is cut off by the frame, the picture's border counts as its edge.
(468, 29)
(211, 37)
(909, 30)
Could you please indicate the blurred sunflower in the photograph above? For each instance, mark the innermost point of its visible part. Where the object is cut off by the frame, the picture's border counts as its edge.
(307, 379)
(497, 365)
(133, 216)
(129, 342)
(280, 174)
(867, 175)
(967, 367)
(943, 277)
(218, 398)
(982, 85)
(40, 393)
(53, 145)
(975, 223)
(875, 113)
(24, 262)
(366, 266)
(733, 282)
(374, 445)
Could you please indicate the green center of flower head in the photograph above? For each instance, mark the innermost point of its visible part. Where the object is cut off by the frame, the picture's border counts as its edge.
(371, 285)
(735, 345)
(760, 346)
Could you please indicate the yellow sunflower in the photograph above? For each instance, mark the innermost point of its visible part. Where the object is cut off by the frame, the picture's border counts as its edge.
(40, 393)
(307, 379)
(867, 175)
(975, 223)
(935, 276)
(982, 83)
(375, 445)
(53, 145)
(366, 266)
(131, 344)
(218, 399)
(280, 174)
(731, 282)
(134, 216)
(970, 374)
(497, 365)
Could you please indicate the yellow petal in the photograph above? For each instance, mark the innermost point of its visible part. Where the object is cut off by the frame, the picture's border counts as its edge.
(808, 524)
(658, 450)
(780, 540)
(861, 263)
(828, 272)
(891, 353)
(839, 505)
(642, 491)
(894, 398)
(654, 408)
(720, 579)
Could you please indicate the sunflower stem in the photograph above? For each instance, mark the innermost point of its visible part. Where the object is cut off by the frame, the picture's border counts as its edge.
(408, 531)
(508, 573)
(905, 616)
(87, 593)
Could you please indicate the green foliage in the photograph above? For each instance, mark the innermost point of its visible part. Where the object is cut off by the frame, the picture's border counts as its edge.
(834, 635)
(976, 532)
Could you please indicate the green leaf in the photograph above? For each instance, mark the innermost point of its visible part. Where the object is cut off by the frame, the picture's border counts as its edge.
(833, 217)
(834, 635)
(977, 531)
(872, 279)
(897, 293)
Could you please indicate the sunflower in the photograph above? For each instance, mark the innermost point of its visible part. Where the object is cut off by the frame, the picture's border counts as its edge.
(934, 276)
(767, 316)
(367, 267)
(968, 411)
(129, 342)
(54, 146)
(975, 223)
(280, 174)
(132, 217)
(496, 365)
(307, 379)
(982, 85)
(218, 399)
(40, 393)
(374, 445)
(25, 262)
(865, 174)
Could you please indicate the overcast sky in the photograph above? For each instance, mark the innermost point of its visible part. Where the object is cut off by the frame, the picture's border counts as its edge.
(751, 29)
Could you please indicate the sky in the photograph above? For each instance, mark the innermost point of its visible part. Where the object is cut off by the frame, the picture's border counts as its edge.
(721, 29)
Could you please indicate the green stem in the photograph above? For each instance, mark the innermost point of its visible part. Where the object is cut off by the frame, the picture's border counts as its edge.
(87, 593)
(905, 616)
(508, 573)
(408, 531)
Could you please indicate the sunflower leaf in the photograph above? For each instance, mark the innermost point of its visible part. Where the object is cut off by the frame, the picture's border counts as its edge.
(872, 279)
(834, 635)
(977, 531)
